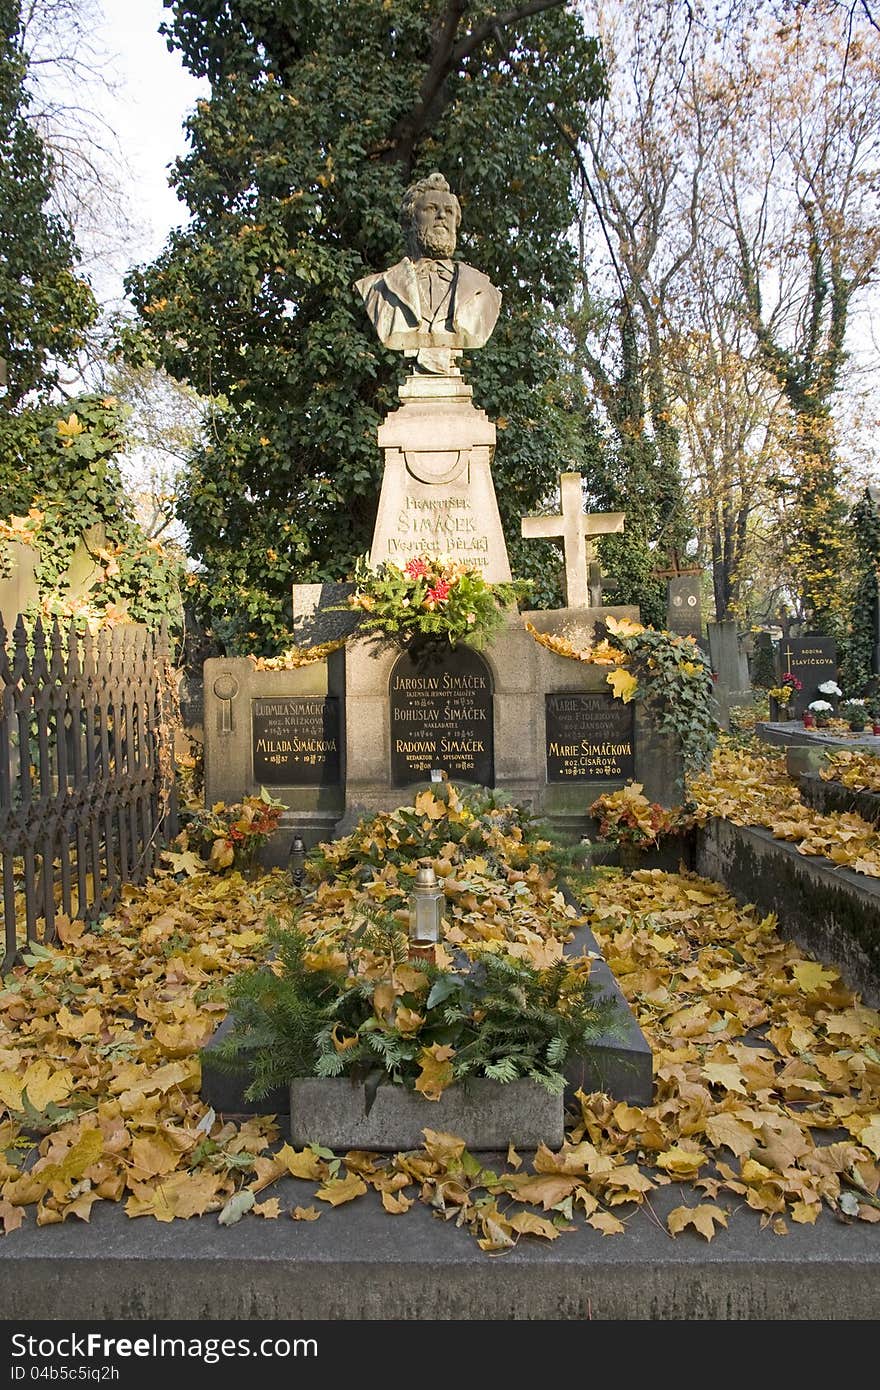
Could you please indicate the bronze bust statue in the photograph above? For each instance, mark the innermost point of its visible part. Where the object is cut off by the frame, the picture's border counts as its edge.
(428, 305)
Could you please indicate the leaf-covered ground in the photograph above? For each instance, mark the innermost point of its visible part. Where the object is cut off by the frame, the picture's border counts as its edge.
(767, 1070)
(752, 788)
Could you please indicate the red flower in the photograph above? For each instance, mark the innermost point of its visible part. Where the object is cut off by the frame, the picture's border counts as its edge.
(416, 569)
(439, 593)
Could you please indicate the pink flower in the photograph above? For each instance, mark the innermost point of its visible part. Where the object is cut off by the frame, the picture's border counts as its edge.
(416, 569)
(439, 593)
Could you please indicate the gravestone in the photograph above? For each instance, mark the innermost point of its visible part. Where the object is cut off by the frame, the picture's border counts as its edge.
(296, 741)
(282, 730)
(683, 611)
(589, 738)
(18, 589)
(441, 717)
(730, 665)
(814, 661)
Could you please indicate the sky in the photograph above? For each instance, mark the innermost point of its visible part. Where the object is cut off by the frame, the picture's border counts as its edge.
(151, 97)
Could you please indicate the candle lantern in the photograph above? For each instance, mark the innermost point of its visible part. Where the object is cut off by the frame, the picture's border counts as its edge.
(425, 909)
(297, 861)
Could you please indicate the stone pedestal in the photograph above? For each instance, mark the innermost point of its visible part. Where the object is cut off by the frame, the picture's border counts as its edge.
(437, 493)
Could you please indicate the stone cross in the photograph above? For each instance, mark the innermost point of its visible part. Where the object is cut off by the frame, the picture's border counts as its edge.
(577, 529)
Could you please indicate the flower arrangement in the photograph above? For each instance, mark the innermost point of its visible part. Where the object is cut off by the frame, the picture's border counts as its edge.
(785, 692)
(235, 833)
(830, 688)
(627, 817)
(431, 596)
(855, 712)
(822, 711)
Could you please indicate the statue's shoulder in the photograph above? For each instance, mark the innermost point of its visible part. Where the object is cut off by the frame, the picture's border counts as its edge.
(393, 277)
(473, 281)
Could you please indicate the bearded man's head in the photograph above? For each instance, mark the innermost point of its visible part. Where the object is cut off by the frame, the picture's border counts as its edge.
(430, 215)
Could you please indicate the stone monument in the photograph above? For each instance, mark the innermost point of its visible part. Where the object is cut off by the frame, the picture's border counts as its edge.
(437, 495)
(364, 729)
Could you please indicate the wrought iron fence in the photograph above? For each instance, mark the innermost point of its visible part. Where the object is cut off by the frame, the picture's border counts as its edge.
(86, 772)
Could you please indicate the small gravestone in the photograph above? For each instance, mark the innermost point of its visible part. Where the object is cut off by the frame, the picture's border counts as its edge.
(589, 738)
(814, 661)
(18, 588)
(683, 614)
(441, 715)
(296, 741)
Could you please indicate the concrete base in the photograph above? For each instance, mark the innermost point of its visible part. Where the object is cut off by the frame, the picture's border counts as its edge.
(486, 1114)
(359, 1262)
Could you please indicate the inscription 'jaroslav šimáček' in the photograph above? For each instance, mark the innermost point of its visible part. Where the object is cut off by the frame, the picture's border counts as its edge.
(441, 717)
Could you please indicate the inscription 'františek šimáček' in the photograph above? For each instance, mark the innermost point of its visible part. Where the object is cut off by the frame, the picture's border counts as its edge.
(442, 717)
(589, 738)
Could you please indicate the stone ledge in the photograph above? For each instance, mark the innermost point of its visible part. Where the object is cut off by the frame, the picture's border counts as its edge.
(360, 1262)
(487, 1114)
(828, 910)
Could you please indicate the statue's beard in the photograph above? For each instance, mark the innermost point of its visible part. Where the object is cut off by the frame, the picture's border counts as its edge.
(435, 241)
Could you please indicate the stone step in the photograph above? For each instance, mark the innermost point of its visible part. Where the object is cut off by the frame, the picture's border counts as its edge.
(358, 1262)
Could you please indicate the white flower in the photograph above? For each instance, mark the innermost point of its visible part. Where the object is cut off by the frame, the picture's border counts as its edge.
(830, 688)
(820, 706)
(853, 700)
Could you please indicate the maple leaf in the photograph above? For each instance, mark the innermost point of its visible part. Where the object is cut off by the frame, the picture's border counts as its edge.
(527, 1223)
(623, 684)
(304, 1163)
(436, 1070)
(269, 1209)
(45, 1087)
(681, 1163)
(703, 1218)
(305, 1214)
(812, 977)
(337, 1191)
(726, 1074)
(396, 1203)
(726, 1130)
(606, 1223)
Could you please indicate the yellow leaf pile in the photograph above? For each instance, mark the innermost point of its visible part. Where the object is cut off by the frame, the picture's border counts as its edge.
(761, 1057)
(294, 657)
(767, 1069)
(754, 789)
(98, 1046)
(859, 770)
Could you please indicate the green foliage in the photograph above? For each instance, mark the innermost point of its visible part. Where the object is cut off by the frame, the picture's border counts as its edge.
(764, 662)
(675, 682)
(857, 664)
(500, 1017)
(430, 598)
(46, 307)
(293, 197)
(277, 1016)
(63, 462)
